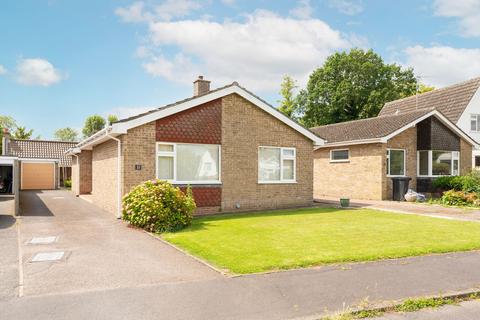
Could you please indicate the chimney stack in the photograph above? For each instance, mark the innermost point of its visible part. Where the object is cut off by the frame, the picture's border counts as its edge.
(200, 86)
(5, 141)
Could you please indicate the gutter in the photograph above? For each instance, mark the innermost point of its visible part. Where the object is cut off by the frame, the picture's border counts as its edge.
(352, 142)
(119, 175)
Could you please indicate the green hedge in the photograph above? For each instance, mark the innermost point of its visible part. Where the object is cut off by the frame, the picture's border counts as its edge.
(466, 183)
(158, 206)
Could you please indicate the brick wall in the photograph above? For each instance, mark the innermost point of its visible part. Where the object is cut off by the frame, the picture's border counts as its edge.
(465, 157)
(82, 173)
(359, 178)
(245, 127)
(104, 175)
(406, 140)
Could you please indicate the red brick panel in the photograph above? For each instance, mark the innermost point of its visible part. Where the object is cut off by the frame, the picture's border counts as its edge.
(202, 124)
(206, 196)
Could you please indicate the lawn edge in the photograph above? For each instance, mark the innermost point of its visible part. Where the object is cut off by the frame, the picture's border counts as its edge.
(389, 307)
(204, 262)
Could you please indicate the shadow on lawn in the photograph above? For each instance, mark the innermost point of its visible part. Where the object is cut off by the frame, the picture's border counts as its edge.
(201, 223)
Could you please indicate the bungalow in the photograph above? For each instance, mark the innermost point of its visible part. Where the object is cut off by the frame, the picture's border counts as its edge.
(359, 158)
(234, 150)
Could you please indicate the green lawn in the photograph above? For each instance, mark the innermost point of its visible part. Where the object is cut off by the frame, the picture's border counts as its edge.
(255, 242)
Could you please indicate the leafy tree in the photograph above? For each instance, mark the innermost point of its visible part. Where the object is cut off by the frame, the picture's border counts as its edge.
(422, 88)
(22, 133)
(352, 85)
(6, 122)
(112, 118)
(288, 104)
(66, 134)
(93, 124)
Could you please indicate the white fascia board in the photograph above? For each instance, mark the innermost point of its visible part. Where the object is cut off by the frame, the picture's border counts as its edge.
(162, 113)
(350, 143)
(439, 116)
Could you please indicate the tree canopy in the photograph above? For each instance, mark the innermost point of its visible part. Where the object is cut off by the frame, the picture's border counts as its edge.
(352, 85)
(66, 134)
(93, 124)
(288, 104)
(22, 133)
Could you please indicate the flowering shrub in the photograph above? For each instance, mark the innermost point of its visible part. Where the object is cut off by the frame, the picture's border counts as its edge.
(460, 198)
(158, 206)
(468, 183)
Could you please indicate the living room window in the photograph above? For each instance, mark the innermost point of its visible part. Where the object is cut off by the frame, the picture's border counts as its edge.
(185, 163)
(435, 163)
(395, 162)
(276, 165)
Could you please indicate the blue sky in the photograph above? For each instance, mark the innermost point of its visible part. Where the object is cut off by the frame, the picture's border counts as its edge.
(61, 61)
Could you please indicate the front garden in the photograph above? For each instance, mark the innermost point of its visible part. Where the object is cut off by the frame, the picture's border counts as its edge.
(276, 240)
(459, 191)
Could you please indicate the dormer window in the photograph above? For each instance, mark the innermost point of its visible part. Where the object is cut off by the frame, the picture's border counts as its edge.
(475, 122)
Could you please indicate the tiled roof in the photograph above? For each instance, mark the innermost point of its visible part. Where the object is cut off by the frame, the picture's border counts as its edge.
(41, 149)
(371, 128)
(450, 101)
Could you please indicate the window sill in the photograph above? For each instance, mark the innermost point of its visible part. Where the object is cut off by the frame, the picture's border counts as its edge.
(277, 182)
(396, 176)
(195, 182)
(339, 161)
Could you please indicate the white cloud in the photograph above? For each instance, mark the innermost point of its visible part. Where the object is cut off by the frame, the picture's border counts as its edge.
(3, 70)
(257, 51)
(228, 2)
(304, 10)
(37, 72)
(441, 66)
(467, 11)
(165, 11)
(348, 7)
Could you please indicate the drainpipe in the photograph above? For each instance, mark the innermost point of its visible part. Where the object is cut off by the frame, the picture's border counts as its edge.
(78, 174)
(119, 176)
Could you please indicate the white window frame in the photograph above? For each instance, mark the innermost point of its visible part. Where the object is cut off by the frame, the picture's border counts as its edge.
(404, 163)
(282, 157)
(476, 118)
(455, 156)
(173, 154)
(339, 160)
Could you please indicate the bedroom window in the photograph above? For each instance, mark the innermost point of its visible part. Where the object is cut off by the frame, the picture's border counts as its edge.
(185, 163)
(435, 163)
(342, 155)
(276, 165)
(395, 162)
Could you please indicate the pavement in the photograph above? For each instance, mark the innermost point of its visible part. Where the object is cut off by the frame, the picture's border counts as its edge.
(424, 209)
(468, 310)
(112, 271)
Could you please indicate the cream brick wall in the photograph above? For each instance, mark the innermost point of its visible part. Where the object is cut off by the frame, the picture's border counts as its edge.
(138, 147)
(245, 128)
(82, 174)
(104, 175)
(406, 140)
(359, 178)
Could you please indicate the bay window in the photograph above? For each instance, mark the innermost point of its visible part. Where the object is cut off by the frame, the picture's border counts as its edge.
(188, 163)
(276, 165)
(395, 162)
(433, 163)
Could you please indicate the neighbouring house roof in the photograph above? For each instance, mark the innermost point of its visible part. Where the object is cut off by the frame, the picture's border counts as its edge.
(123, 125)
(451, 101)
(41, 149)
(380, 129)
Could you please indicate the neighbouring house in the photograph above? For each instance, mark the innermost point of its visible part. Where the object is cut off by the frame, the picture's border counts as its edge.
(460, 103)
(236, 152)
(42, 164)
(359, 158)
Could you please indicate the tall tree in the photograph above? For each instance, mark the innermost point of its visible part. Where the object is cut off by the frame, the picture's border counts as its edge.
(353, 85)
(288, 102)
(66, 134)
(22, 133)
(422, 88)
(93, 124)
(112, 118)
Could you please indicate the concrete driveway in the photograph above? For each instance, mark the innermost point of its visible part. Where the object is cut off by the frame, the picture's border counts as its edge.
(100, 252)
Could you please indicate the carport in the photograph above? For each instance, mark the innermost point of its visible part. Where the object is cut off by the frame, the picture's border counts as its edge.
(9, 180)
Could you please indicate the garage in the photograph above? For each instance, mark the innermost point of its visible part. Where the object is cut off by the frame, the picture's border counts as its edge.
(37, 175)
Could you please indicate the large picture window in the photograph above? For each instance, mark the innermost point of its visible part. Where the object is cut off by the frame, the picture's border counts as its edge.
(188, 163)
(395, 162)
(434, 163)
(276, 165)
